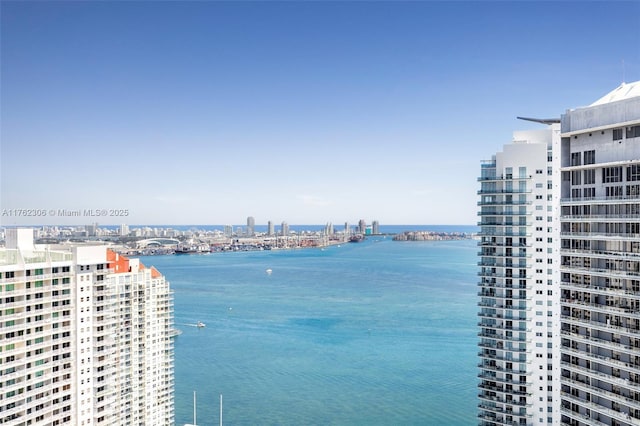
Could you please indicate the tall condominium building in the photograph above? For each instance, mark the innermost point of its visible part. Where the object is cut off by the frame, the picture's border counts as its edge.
(86, 337)
(362, 226)
(600, 261)
(518, 380)
(251, 226)
(270, 229)
(375, 227)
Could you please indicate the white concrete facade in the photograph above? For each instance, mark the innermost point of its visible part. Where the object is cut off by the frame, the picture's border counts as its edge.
(600, 261)
(66, 338)
(518, 277)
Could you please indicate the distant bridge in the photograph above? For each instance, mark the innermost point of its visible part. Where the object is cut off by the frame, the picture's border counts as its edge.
(157, 242)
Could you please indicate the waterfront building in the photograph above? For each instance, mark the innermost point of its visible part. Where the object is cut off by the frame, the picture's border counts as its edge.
(91, 229)
(375, 227)
(124, 230)
(328, 229)
(284, 229)
(600, 261)
(270, 229)
(86, 337)
(517, 317)
(251, 226)
(362, 226)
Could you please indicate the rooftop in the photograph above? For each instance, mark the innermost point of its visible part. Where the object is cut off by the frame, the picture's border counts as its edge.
(622, 92)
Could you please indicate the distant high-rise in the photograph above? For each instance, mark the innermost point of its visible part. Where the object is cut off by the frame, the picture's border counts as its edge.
(86, 337)
(228, 231)
(375, 227)
(284, 229)
(124, 230)
(270, 228)
(362, 226)
(251, 226)
(328, 229)
(92, 230)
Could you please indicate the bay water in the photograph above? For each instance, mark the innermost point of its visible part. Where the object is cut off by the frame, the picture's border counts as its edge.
(372, 333)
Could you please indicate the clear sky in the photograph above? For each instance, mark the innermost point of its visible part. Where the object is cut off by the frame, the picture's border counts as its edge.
(305, 112)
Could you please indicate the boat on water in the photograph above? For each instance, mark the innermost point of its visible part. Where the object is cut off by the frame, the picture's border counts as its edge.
(192, 247)
(357, 238)
(200, 324)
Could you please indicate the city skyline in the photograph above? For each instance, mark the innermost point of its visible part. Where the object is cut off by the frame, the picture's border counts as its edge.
(304, 112)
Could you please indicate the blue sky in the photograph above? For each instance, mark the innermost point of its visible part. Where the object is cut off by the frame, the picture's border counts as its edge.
(305, 112)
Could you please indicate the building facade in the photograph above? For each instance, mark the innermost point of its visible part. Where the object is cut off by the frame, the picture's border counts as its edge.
(577, 306)
(86, 337)
(600, 261)
(517, 317)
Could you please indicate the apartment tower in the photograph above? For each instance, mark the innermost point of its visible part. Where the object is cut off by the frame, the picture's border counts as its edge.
(517, 316)
(600, 260)
(86, 337)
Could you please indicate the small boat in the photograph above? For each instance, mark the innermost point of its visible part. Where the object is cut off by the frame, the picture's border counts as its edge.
(200, 324)
(269, 271)
(357, 238)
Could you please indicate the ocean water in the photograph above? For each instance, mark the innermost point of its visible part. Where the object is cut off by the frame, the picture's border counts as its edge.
(374, 333)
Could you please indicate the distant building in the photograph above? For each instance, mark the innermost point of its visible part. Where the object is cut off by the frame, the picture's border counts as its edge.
(375, 227)
(362, 227)
(284, 229)
(228, 231)
(124, 230)
(328, 229)
(251, 226)
(270, 229)
(91, 229)
(86, 337)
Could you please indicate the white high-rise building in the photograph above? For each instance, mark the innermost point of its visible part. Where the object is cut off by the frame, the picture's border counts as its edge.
(517, 316)
(600, 261)
(251, 226)
(579, 323)
(86, 337)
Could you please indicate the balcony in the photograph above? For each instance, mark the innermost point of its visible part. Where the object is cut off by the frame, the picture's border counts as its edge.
(608, 396)
(568, 201)
(597, 235)
(596, 325)
(625, 311)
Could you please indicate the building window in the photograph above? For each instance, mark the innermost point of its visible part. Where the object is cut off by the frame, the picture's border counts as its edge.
(589, 177)
(613, 191)
(633, 132)
(612, 174)
(633, 190)
(576, 178)
(633, 172)
(590, 157)
(617, 134)
(576, 158)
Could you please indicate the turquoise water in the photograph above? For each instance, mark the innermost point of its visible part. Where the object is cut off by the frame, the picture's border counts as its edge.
(375, 333)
